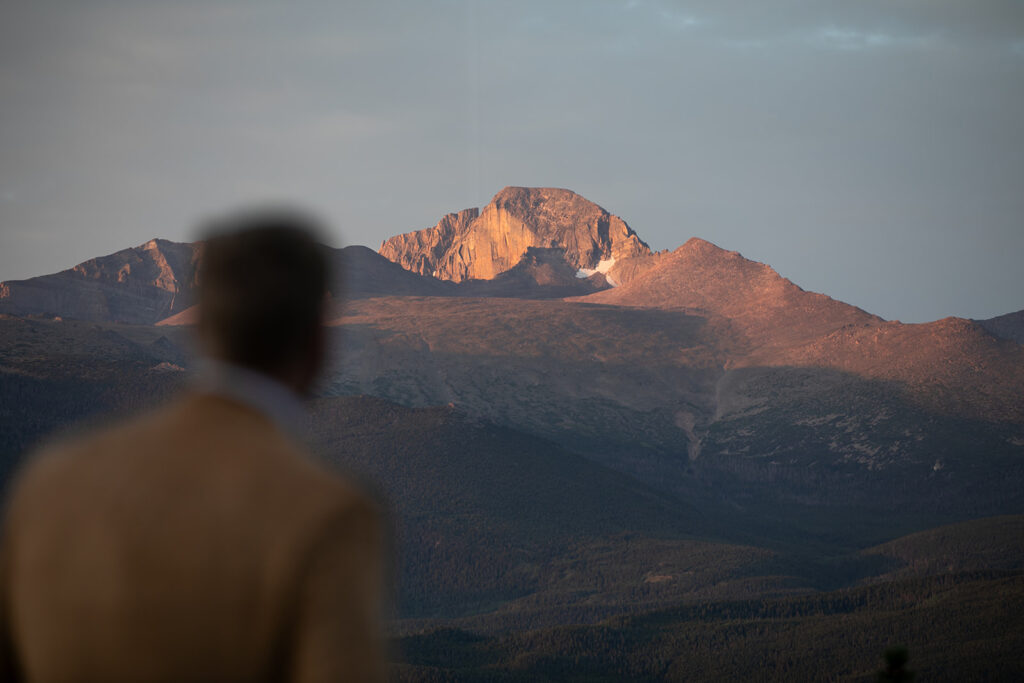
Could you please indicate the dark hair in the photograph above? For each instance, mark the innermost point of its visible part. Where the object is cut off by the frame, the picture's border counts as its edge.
(262, 282)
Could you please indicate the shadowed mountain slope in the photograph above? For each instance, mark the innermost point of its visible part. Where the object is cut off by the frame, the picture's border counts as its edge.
(360, 273)
(956, 628)
(991, 543)
(542, 273)
(365, 273)
(54, 374)
(480, 506)
(1009, 326)
(673, 398)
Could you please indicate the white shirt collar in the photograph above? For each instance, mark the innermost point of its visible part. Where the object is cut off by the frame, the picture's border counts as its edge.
(282, 405)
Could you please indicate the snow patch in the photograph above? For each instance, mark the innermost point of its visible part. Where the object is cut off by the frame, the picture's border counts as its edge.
(603, 267)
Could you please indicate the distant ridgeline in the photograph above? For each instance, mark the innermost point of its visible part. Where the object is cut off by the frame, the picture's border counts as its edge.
(605, 461)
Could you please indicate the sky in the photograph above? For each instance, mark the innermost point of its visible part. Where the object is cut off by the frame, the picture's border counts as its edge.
(872, 150)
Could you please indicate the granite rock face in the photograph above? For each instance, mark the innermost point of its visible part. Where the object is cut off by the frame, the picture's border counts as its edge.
(481, 244)
(423, 250)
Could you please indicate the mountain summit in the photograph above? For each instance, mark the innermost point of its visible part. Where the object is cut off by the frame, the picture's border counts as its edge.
(480, 244)
(704, 278)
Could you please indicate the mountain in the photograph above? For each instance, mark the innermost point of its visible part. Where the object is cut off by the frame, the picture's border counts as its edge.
(1009, 326)
(481, 244)
(707, 280)
(140, 285)
(667, 465)
(953, 365)
(707, 371)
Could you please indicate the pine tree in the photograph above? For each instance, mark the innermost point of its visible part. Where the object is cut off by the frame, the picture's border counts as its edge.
(895, 666)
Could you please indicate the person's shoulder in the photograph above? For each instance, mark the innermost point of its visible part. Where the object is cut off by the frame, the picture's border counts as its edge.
(336, 494)
(61, 460)
(65, 447)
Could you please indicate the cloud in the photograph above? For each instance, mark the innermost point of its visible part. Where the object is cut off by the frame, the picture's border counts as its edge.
(853, 39)
(676, 20)
(842, 24)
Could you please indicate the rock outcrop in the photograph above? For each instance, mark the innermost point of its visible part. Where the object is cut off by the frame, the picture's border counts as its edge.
(476, 244)
(140, 285)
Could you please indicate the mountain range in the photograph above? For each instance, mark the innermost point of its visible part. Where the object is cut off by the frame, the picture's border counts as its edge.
(573, 428)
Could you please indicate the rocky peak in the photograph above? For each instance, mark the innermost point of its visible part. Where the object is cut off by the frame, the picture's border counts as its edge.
(702, 277)
(481, 244)
(139, 285)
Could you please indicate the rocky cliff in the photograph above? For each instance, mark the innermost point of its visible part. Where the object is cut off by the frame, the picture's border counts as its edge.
(140, 285)
(481, 244)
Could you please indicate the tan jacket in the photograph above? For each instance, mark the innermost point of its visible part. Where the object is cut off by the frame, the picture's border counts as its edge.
(195, 543)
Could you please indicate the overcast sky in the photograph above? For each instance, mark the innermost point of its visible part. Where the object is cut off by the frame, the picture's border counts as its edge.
(870, 150)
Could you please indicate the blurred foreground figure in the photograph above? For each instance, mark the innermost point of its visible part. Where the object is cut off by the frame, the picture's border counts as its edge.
(200, 542)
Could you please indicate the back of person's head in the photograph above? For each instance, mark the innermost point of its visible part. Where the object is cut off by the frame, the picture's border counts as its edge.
(262, 283)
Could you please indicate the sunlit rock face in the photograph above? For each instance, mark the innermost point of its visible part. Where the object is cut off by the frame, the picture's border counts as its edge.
(481, 244)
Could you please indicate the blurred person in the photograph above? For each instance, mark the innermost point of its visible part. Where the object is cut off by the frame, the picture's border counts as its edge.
(200, 541)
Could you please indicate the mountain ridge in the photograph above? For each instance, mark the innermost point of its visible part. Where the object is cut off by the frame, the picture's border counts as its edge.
(154, 281)
(702, 277)
(1007, 326)
(137, 285)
